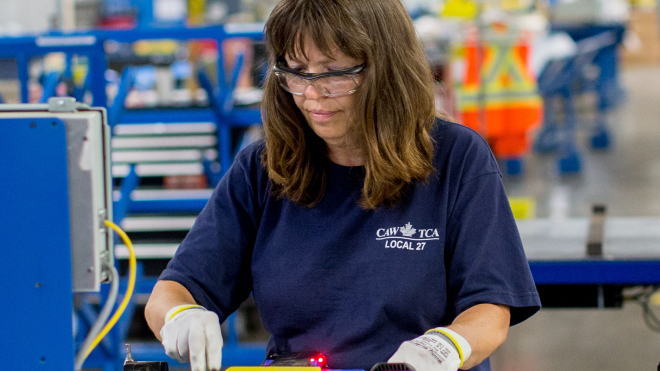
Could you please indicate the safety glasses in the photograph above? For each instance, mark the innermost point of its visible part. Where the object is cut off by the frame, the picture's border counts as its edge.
(330, 84)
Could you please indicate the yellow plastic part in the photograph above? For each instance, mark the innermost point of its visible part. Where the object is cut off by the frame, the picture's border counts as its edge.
(466, 9)
(269, 368)
(523, 207)
(79, 73)
(655, 299)
(644, 3)
(162, 47)
(516, 5)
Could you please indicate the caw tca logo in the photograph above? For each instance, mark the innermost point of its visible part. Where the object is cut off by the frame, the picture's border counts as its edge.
(409, 239)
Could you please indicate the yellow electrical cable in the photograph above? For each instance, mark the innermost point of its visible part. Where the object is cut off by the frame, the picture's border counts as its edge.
(132, 266)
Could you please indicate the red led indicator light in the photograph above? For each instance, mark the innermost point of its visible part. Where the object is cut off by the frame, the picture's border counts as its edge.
(312, 360)
(320, 359)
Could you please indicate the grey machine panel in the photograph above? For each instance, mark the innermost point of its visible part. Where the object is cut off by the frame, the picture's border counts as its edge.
(90, 182)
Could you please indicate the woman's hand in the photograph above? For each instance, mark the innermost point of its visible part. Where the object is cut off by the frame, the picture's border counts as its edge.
(187, 330)
(438, 350)
(192, 333)
(473, 336)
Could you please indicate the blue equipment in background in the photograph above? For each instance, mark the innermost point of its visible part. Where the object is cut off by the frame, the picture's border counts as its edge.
(23, 49)
(592, 69)
(90, 44)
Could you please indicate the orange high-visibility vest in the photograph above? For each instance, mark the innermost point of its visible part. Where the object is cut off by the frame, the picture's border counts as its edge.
(498, 96)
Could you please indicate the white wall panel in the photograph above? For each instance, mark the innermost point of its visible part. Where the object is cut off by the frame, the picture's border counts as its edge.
(26, 16)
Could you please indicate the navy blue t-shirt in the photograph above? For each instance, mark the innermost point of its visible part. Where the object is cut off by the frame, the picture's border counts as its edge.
(354, 283)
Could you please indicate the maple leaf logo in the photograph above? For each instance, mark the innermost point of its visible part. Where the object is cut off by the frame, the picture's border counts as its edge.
(408, 230)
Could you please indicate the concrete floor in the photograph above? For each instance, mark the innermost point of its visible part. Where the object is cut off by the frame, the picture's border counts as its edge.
(580, 340)
(627, 179)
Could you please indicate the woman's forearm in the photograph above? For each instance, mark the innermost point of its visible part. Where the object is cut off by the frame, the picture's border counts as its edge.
(485, 327)
(165, 296)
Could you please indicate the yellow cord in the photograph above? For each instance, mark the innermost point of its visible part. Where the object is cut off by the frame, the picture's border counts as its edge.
(132, 266)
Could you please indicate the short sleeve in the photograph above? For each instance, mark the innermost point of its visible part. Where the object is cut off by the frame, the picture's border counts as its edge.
(213, 261)
(485, 259)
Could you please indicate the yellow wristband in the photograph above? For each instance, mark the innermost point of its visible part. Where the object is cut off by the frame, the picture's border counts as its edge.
(453, 340)
(182, 308)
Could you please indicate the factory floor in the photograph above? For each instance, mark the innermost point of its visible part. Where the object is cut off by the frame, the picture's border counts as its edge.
(626, 178)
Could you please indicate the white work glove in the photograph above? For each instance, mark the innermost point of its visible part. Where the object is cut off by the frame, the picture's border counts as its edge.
(192, 333)
(440, 349)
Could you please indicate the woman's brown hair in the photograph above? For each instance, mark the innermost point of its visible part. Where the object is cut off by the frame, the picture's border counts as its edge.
(394, 106)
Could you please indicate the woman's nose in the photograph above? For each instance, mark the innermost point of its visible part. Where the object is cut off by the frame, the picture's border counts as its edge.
(311, 92)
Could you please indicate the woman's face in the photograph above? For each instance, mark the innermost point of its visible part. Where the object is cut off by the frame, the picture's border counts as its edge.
(330, 118)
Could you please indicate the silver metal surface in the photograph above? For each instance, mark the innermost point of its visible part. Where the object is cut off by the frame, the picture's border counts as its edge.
(147, 156)
(146, 170)
(167, 194)
(129, 354)
(157, 223)
(62, 104)
(88, 185)
(566, 239)
(147, 251)
(161, 128)
(192, 141)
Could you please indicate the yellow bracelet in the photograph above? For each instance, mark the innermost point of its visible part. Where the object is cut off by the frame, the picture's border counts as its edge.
(182, 308)
(450, 337)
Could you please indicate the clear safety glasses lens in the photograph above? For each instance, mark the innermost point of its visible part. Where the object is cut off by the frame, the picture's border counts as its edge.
(330, 86)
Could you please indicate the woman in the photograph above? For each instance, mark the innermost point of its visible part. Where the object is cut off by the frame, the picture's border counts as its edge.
(366, 228)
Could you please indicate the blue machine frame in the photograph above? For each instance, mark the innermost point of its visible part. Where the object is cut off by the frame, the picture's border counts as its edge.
(35, 270)
(596, 272)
